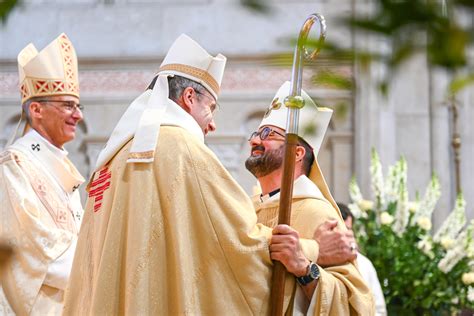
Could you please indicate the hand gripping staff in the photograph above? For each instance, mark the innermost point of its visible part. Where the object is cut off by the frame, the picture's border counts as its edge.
(294, 102)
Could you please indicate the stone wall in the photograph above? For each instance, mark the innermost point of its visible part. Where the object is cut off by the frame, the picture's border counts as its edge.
(120, 44)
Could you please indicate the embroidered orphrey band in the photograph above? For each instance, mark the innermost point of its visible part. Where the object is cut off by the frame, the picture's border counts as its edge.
(142, 155)
(195, 72)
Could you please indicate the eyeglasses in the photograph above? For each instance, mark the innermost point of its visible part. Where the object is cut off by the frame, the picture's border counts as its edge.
(264, 133)
(69, 106)
(216, 107)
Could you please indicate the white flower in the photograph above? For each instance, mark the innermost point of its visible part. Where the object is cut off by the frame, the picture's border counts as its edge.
(429, 200)
(401, 213)
(455, 254)
(386, 219)
(366, 205)
(426, 246)
(469, 233)
(455, 222)
(470, 294)
(377, 179)
(447, 242)
(470, 250)
(455, 300)
(391, 183)
(468, 278)
(354, 191)
(424, 223)
(356, 211)
(397, 174)
(413, 206)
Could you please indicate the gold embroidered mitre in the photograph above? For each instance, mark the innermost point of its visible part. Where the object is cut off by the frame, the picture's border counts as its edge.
(188, 59)
(53, 71)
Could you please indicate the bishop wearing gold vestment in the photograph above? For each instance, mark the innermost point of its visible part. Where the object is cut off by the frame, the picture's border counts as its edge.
(167, 230)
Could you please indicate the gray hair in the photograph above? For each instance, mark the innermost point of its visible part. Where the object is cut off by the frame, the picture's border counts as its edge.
(26, 108)
(177, 84)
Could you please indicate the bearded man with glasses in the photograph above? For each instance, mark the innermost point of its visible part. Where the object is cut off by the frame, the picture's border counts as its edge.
(328, 285)
(41, 209)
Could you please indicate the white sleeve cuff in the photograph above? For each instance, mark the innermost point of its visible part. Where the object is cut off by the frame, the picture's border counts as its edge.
(59, 269)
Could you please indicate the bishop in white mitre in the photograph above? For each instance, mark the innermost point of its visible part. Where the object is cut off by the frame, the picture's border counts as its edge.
(40, 204)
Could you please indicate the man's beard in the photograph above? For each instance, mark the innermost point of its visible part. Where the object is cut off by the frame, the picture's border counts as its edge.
(266, 163)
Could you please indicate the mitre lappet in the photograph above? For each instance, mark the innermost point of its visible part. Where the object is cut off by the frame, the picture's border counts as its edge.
(143, 118)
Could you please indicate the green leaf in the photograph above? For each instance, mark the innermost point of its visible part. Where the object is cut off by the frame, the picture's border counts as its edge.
(259, 6)
(460, 82)
(333, 80)
(5, 8)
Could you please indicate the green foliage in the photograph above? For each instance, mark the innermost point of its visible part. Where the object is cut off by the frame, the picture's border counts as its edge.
(5, 7)
(332, 80)
(341, 110)
(408, 27)
(411, 280)
(408, 23)
(420, 274)
(259, 6)
(460, 83)
(421, 26)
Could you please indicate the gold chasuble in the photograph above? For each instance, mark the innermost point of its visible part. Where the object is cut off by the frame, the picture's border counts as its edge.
(174, 237)
(167, 230)
(341, 289)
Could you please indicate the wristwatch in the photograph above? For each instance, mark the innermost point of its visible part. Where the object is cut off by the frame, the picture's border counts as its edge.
(313, 274)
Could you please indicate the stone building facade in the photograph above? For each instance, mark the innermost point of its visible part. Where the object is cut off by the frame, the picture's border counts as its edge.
(120, 44)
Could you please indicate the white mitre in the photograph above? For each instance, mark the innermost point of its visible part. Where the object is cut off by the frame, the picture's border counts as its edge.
(313, 123)
(188, 59)
(53, 71)
(144, 116)
(313, 120)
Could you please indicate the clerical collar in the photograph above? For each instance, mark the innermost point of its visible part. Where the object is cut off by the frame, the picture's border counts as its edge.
(60, 152)
(265, 197)
(303, 187)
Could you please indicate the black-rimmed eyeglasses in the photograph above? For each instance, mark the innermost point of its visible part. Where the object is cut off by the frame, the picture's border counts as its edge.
(69, 106)
(264, 133)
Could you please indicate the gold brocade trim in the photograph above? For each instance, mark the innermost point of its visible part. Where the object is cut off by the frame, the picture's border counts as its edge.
(195, 72)
(276, 105)
(59, 209)
(6, 156)
(143, 155)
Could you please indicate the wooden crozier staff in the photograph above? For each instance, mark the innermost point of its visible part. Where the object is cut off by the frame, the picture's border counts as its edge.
(294, 102)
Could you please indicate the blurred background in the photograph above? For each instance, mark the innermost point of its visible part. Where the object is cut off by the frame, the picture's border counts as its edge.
(393, 85)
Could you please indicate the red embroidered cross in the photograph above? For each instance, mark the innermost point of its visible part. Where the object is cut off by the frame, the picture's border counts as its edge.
(98, 186)
(58, 86)
(41, 86)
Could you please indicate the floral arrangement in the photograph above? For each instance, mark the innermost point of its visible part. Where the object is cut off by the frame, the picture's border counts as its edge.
(421, 272)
